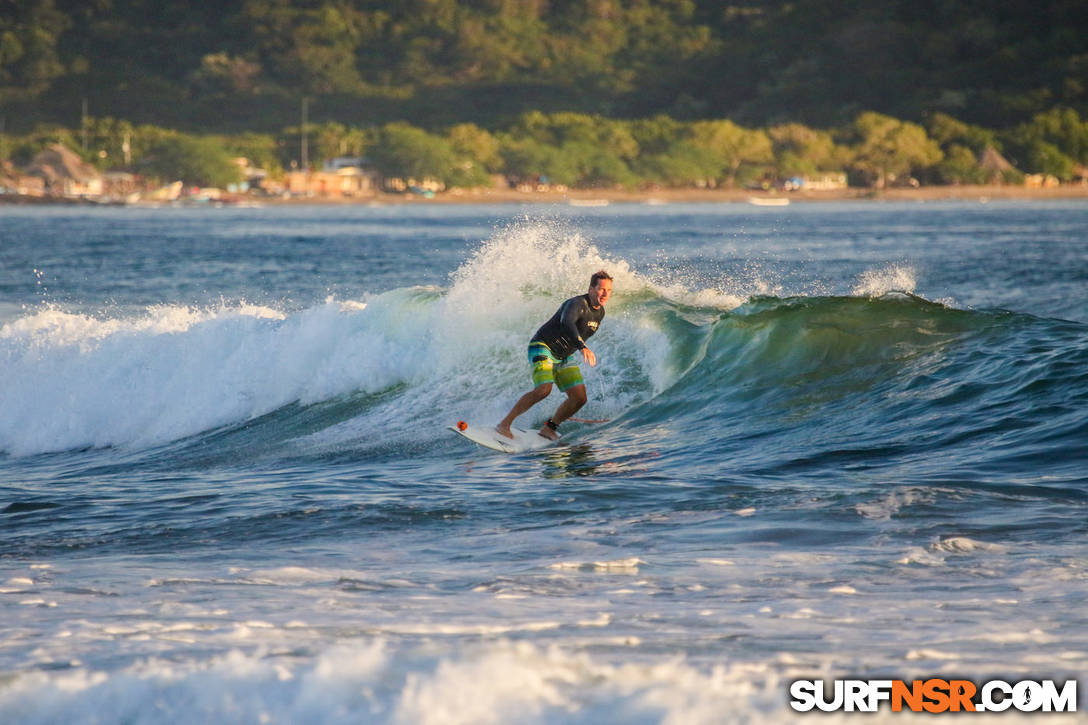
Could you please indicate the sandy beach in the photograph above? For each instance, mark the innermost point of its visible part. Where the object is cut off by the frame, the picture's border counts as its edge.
(602, 197)
(599, 197)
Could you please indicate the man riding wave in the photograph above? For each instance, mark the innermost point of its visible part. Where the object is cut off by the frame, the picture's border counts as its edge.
(551, 355)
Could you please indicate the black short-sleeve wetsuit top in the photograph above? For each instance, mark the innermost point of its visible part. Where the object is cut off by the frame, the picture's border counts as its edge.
(567, 330)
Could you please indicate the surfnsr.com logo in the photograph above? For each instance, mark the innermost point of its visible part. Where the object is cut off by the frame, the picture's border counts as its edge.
(934, 695)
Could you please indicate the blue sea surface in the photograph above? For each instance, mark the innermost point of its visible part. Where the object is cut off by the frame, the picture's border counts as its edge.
(843, 440)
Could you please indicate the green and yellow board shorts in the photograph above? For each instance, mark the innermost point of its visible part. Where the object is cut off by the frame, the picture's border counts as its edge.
(547, 368)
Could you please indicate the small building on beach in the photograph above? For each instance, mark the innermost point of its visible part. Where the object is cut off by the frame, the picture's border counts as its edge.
(820, 181)
(996, 166)
(339, 177)
(64, 173)
(13, 181)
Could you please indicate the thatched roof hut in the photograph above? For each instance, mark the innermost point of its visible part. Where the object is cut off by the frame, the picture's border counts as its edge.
(995, 164)
(65, 173)
(13, 181)
(8, 175)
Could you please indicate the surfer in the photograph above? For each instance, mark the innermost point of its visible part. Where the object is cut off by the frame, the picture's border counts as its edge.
(551, 354)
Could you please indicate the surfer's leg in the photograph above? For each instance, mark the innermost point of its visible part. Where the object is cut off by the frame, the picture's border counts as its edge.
(543, 365)
(525, 402)
(568, 376)
(576, 398)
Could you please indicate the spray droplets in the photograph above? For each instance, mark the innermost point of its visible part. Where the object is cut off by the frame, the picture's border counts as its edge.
(892, 278)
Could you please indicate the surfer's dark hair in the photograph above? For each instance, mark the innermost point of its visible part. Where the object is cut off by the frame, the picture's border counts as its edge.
(598, 276)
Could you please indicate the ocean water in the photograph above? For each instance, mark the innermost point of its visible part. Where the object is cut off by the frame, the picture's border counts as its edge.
(844, 440)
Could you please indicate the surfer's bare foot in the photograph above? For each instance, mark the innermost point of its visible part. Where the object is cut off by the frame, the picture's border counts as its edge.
(549, 433)
(504, 430)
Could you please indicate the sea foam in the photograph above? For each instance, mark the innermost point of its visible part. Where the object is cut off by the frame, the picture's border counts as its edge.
(71, 380)
(373, 682)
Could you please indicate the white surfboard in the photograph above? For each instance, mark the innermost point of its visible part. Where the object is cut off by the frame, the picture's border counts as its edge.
(488, 437)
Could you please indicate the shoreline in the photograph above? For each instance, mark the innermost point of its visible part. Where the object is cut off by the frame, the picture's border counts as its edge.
(590, 198)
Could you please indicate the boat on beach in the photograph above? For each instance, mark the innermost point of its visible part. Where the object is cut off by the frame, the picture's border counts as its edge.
(768, 201)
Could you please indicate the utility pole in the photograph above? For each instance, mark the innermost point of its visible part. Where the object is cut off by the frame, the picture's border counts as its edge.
(83, 125)
(305, 134)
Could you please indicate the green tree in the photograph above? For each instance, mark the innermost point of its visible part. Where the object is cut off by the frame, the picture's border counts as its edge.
(476, 156)
(197, 161)
(331, 139)
(495, 41)
(1043, 157)
(886, 148)
(23, 148)
(146, 138)
(1053, 142)
(571, 148)
(658, 134)
(528, 158)
(597, 166)
(30, 33)
(960, 166)
(799, 150)
(730, 147)
(224, 74)
(309, 47)
(679, 164)
(431, 61)
(106, 139)
(407, 152)
(946, 130)
(471, 142)
(262, 150)
(667, 154)
(1064, 128)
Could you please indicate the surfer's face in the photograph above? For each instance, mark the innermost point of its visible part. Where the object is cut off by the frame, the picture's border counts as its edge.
(600, 294)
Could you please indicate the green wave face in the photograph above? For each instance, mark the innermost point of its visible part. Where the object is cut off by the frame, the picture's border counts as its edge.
(811, 377)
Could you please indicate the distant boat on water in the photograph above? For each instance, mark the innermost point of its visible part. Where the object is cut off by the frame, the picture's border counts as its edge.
(768, 201)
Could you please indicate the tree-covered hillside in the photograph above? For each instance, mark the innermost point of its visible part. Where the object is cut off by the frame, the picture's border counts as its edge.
(245, 64)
